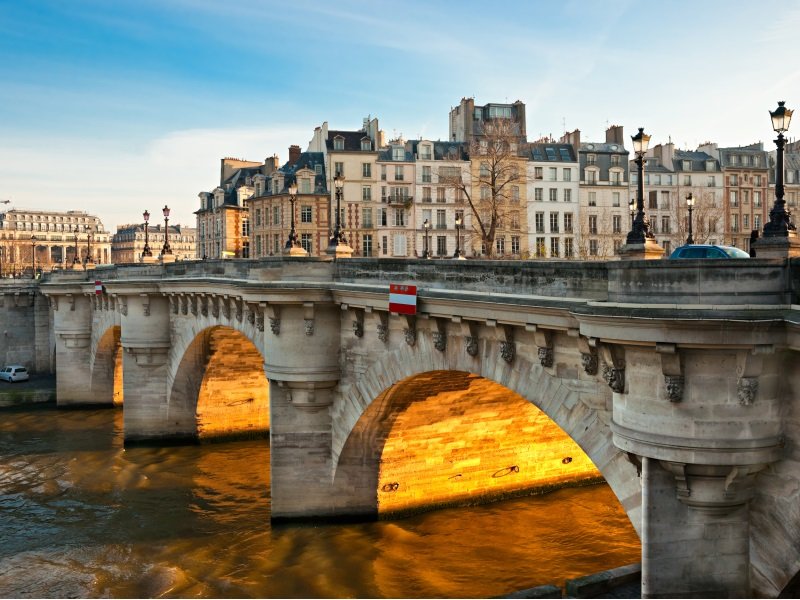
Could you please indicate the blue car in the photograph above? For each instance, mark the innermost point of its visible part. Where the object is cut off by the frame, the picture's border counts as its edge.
(708, 251)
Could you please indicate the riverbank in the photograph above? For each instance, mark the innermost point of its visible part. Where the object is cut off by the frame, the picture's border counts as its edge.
(38, 389)
(622, 582)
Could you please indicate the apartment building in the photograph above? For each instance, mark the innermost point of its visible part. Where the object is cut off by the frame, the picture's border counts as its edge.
(51, 239)
(467, 121)
(438, 199)
(223, 224)
(128, 243)
(745, 172)
(270, 206)
(670, 175)
(552, 199)
(604, 212)
(397, 232)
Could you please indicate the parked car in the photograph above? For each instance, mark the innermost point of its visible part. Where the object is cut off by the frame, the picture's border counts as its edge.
(14, 373)
(708, 251)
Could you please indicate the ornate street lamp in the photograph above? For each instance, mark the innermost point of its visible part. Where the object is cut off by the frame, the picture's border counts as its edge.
(425, 227)
(76, 260)
(292, 241)
(690, 206)
(459, 226)
(33, 257)
(146, 251)
(640, 230)
(338, 236)
(632, 206)
(165, 249)
(88, 244)
(780, 219)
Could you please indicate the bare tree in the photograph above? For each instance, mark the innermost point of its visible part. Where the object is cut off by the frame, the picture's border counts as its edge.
(491, 185)
(596, 239)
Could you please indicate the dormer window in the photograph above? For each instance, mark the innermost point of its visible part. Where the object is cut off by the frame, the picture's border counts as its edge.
(710, 165)
(318, 169)
(305, 185)
(687, 165)
(591, 159)
(756, 161)
(338, 143)
(366, 144)
(398, 153)
(425, 152)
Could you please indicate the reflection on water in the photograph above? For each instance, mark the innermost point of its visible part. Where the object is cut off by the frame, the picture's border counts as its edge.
(82, 516)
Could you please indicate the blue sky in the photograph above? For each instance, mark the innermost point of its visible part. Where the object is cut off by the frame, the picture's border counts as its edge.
(115, 107)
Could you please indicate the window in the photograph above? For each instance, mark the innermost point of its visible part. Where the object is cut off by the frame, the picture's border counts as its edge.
(592, 198)
(538, 194)
(746, 197)
(664, 203)
(399, 245)
(383, 172)
(567, 195)
(398, 153)
(441, 219)
(757, 199)
(553, 222)
(338, 143)
(426, 194)
(553, 194)
(366, 169)
(615, 160)
(733, 180)
(593, 224)
(665, 226)
(276, 216)
(426, 174)
(567, 174)
(277, 244)
(540, 248)
(616, 178)
(746, 222)
(757, 221)
(383, 220)
(567, 222)
(258, 217)
(652, 200)
(539, 222)
(514, 244)
(366, 145)
(366, 193)
(399, 217)
(687, 180)
(616, 224)
(338, 168)
(515, 219)
(305, 214)
(485, 194)
(366, 244)
(305, 242)
(615, 199)
(591, 159)
(484, 170)
(425, 152)
(441, 245)
(554, 247)
(757, 180)
(305, 185)
(440, 194)
(592, 247)
(734, 198)
(258, 246)
(515, 193)
(398, 172)
(500, 245)
(591, 177)
(569, 251)
(385, 245)
(538, 173)
(366, 216)
(552, 174)
(734, 223)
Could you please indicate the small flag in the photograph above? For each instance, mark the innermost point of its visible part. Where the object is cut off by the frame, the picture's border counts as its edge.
(403, 299)
(98, 287)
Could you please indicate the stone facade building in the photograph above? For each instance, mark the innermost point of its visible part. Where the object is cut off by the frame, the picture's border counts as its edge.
(51, 239)
(128, 243)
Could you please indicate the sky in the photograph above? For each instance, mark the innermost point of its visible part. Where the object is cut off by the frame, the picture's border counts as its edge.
(114, 107)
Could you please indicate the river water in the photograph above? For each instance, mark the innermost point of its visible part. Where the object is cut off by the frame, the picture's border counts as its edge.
(80, 515)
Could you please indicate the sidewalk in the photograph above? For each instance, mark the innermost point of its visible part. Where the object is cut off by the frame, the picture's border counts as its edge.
(40, 388)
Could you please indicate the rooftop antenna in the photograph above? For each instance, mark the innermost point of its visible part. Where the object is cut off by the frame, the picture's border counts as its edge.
(564, 125)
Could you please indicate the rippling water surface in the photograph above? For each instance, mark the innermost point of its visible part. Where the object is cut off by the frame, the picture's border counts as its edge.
(83, 516)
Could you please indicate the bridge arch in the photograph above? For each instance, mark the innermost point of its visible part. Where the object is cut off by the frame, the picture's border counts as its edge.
(218, 388)
(576, 403)
(106, 368)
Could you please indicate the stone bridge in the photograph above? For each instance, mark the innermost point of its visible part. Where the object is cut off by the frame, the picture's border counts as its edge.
(677, 380)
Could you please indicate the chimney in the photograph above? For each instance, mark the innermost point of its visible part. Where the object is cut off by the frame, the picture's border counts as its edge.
(574, 138)
(614, 135)
(294, 154)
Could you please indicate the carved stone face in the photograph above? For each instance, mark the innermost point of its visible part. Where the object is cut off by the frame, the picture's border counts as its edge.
(674, 384)
(589, 362)
(747, 389)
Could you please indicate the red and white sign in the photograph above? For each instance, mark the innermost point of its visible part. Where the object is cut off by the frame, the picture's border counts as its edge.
(98, 287)
(403, 299)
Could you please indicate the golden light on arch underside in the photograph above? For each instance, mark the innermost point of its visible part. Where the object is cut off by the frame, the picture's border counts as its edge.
(456, 438)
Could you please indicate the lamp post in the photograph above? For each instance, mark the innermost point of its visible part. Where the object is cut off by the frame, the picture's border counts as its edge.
(76, 259)
(338, 236)
(88, 245)
(640, 230)
(632, 206)
(146, 251)
(292, 241)
(690, 206)
(780, 220)
(165, 249)
(33, 257)
(425, 227)
(459, 225)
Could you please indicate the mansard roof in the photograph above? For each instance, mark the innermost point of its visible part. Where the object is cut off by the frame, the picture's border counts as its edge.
(698, 160)
(352, 140)
(551, 152)
(441, 150)
(602, 147)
